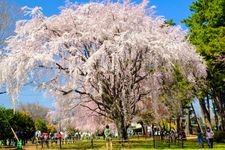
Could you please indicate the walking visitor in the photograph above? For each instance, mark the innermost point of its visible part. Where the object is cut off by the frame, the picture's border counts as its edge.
(209, 137)
(200, 139)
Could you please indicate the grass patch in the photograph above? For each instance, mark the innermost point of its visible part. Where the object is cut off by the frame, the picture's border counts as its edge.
(131, 144)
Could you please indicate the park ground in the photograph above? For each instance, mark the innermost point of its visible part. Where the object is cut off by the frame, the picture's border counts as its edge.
(132, 144)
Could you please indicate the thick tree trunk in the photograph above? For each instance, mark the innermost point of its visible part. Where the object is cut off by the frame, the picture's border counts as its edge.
(179, 123)
(223, 121)
(121, 128)
(187, 122)
(215, 107)
(219, 107)
(205, 113)
(143, 127)
(221, 112)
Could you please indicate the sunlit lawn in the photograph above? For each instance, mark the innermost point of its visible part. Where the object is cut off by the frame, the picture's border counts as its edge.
(132, 144)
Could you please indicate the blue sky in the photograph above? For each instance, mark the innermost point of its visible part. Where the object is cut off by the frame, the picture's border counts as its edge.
(171, 9)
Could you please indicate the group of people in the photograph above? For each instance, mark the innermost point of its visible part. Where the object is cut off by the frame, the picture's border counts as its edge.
(45, 137)
(209, 138)
(108, 137)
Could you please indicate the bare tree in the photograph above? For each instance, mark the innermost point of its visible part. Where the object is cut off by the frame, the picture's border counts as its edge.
(34, 109)
(9, 13)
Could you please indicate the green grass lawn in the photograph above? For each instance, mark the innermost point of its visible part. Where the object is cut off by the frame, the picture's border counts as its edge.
(134, 144)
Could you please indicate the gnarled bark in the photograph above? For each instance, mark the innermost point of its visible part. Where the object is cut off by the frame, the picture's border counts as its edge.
(205, 112)
(121, 128)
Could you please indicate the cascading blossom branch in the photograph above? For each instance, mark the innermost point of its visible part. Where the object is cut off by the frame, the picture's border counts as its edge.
(102, 57)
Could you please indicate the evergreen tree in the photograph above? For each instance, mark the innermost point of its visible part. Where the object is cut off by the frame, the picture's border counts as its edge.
(207, 33)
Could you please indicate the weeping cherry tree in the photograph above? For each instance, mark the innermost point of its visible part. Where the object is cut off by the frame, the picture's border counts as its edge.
(98, 59)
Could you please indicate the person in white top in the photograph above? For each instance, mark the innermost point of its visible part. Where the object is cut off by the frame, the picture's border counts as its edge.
(108, 138)
(209, 137)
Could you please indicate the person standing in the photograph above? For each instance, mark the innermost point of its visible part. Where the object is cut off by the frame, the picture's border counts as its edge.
(108, 138)
(209, 137)
(59, 137)
(200, 139)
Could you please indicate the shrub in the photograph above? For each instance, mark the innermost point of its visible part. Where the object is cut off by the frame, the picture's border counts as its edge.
(219, 136)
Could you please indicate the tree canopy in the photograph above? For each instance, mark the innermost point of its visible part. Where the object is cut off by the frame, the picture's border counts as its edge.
(99, 60)
(35, 110)
(9, 13)
(207, 33)
(20, 122)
